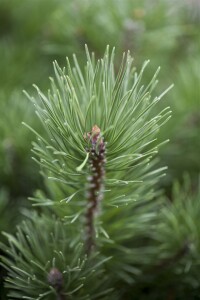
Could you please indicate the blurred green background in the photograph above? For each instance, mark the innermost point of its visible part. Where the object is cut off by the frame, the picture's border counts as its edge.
(33, 33)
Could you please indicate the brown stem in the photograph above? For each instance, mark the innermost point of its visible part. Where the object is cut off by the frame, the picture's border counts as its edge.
(95, 184)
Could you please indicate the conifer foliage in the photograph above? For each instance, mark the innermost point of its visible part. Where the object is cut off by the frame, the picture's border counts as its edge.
(98, 152)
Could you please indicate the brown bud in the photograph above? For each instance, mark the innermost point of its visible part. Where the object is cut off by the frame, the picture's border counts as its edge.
(55, 279)
(94, 136)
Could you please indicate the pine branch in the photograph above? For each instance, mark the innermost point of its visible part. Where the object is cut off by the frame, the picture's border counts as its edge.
(122, 108)
(44, 261)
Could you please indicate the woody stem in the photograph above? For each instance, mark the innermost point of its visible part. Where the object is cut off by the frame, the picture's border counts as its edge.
(95, 193)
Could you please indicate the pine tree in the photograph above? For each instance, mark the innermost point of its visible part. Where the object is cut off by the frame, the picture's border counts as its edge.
(93, 234)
